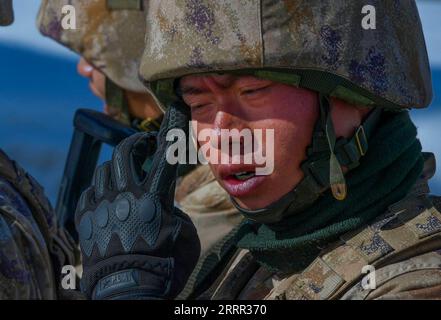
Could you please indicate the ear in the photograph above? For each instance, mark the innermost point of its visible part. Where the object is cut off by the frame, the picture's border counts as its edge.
(347, 117)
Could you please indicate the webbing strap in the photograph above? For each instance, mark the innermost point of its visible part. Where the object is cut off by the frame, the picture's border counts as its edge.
(116, 99)
(416, 222)
(349, 152)
(336, 178)
(32, 192)
(59, 245)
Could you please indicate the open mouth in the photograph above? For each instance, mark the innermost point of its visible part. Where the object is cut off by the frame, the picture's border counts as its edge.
(240, 181)
(245, 175)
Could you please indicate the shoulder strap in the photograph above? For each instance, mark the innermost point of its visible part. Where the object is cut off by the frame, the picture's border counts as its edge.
(31, 191)
(59, 243)
(411, 225)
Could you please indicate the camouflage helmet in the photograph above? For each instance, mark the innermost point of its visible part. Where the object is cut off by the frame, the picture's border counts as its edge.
(6, 13)
(317, 44)
(109, 35)
(103, 35)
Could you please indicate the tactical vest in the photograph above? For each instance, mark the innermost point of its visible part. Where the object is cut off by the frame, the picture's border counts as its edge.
(409, 228)
(51, 247)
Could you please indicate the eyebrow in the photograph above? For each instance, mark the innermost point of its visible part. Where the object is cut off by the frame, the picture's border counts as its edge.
(190, 90)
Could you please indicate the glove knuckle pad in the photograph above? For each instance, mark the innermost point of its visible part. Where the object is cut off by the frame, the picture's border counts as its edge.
(101, 180)
(127, 217)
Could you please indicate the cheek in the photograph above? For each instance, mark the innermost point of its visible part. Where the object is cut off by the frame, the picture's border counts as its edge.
(292, 115)
(199, 131)
(288, 147)
(205, 115)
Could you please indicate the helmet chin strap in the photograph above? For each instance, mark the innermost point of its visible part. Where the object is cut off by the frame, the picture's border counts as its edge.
(322, 168)
(116, 99)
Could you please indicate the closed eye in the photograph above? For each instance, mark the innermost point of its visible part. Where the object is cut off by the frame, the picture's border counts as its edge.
(251, 91)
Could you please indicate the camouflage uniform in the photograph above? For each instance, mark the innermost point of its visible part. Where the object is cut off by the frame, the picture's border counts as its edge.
(106, 39)
(321, 46)
(408, 269)
(33, 249)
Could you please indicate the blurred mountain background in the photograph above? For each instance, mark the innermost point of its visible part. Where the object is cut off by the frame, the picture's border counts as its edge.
(40, 91)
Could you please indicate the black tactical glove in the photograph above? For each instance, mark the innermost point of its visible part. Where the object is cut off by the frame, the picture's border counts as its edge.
(135, 244)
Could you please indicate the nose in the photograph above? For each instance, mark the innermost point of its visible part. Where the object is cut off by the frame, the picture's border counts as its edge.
(223, 120)
(223, 126)
(84, 68)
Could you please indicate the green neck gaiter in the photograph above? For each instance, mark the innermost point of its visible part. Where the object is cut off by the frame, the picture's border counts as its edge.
(385, 175)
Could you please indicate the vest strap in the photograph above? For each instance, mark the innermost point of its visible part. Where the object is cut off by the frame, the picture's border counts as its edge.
(411, 223)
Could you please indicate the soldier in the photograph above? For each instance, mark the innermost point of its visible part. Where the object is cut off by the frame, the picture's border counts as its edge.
(110, 49)
(349, 187)
(109, 40)
(33, 248)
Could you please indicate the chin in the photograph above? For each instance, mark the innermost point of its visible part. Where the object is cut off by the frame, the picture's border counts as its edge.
(254, 204)
(262, 197)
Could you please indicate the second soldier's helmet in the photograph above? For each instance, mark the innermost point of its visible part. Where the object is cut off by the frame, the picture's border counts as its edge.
(109, 34)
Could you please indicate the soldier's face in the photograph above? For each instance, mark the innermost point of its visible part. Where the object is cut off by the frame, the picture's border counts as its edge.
(97, 80)
(245, 102)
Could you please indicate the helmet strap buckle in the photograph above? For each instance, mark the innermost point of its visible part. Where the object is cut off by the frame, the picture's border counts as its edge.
(360, 138)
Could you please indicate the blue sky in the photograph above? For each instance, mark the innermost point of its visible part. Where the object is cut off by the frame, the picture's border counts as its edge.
(24, 32)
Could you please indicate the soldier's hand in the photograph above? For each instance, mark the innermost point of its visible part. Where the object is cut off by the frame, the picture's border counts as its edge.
(135, 244)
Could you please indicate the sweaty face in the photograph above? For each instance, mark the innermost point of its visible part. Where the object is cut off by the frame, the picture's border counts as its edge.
(244, 102)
